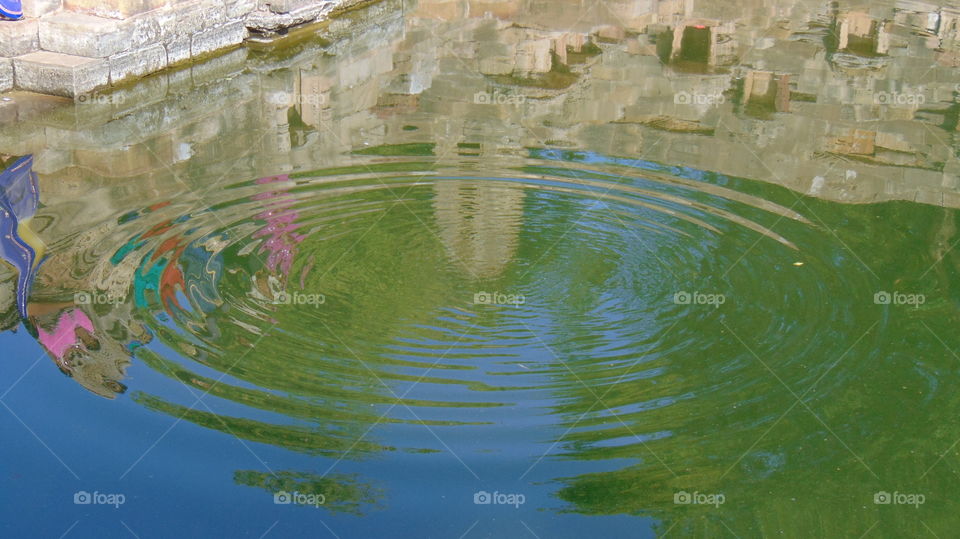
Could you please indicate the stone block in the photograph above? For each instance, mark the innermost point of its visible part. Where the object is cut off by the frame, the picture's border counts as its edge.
(178, 50)
(140, 32)
(114, 9)
(218, 38)
(18, 37)
(138, 62)
(286, 6)
(97, 37)
(238, 9)
(6, 74)
(33, 9)
(60, 74)
(190, 18)
(82, 35)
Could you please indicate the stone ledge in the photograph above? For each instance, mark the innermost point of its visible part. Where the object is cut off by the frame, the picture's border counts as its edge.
(60, 74)
(137, 63)
(178, 50)
(115, 9)
(218, 38)
(191, 17)
(109, 42)
(82, 35)
(18, 37)
(267, 20)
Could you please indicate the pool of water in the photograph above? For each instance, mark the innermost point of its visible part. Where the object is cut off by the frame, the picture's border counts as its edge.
(451, 269)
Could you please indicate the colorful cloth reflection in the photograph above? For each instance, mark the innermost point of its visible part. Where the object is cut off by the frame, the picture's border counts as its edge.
(19, 245)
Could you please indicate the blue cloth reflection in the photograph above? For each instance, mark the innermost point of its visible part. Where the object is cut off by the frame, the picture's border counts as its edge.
(19, 245)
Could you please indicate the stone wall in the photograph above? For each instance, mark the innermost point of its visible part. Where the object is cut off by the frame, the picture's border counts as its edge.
(74, 47)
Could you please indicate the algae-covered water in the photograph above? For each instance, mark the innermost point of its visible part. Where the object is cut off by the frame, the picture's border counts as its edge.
(505, 269)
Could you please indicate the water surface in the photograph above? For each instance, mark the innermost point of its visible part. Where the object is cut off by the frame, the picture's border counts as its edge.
(464, 269)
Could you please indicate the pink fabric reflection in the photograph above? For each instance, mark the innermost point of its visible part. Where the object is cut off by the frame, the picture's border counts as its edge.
(64, 334)
(280, 230)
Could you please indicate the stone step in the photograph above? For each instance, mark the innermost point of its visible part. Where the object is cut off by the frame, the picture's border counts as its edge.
(60, 74)
(115, 9)
(186, 22)
(77, 34)
(33, 9)
(18, 37)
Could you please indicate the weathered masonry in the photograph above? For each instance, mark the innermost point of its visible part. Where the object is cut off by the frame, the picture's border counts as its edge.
(73, 47)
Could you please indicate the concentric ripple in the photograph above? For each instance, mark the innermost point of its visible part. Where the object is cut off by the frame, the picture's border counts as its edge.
(573, 287)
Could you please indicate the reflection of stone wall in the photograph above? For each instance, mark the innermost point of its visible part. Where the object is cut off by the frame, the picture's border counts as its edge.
(785, 110)
(479, 223)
